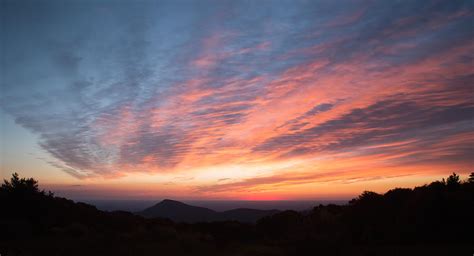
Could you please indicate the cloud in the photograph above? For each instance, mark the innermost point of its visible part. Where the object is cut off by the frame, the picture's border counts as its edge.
(287, 179)
(387, 120)
(140, 92)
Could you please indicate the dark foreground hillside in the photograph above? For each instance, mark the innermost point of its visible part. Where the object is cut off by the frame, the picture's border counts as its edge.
(435, 219)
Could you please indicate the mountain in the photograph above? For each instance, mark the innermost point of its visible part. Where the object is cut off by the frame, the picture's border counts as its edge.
(181, 212)
(178, 211)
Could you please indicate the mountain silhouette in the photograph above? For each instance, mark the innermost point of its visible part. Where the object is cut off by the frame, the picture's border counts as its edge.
(181, 212)
(178, 211)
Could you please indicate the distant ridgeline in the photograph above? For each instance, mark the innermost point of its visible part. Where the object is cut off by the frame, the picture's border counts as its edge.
(434, 219)
(181, 212)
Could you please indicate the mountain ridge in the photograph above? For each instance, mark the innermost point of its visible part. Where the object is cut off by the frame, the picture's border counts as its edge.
(182, 212)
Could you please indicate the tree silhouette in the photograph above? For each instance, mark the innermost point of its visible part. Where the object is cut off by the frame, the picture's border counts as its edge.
(453, 181)
(471, 178)
(20, 186)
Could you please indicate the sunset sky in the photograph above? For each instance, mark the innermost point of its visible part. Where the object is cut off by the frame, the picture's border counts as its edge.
(236, 99)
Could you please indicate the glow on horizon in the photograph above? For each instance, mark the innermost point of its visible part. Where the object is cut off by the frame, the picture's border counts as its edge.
(219, 101)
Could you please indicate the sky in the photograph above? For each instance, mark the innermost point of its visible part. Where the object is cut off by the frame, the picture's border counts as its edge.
(245, 100)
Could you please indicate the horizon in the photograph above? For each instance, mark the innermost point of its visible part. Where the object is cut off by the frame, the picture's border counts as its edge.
(216, 205)
(235, 101)
(135, 204)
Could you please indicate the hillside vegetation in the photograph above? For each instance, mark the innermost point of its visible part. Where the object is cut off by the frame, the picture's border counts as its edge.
(434, 219)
